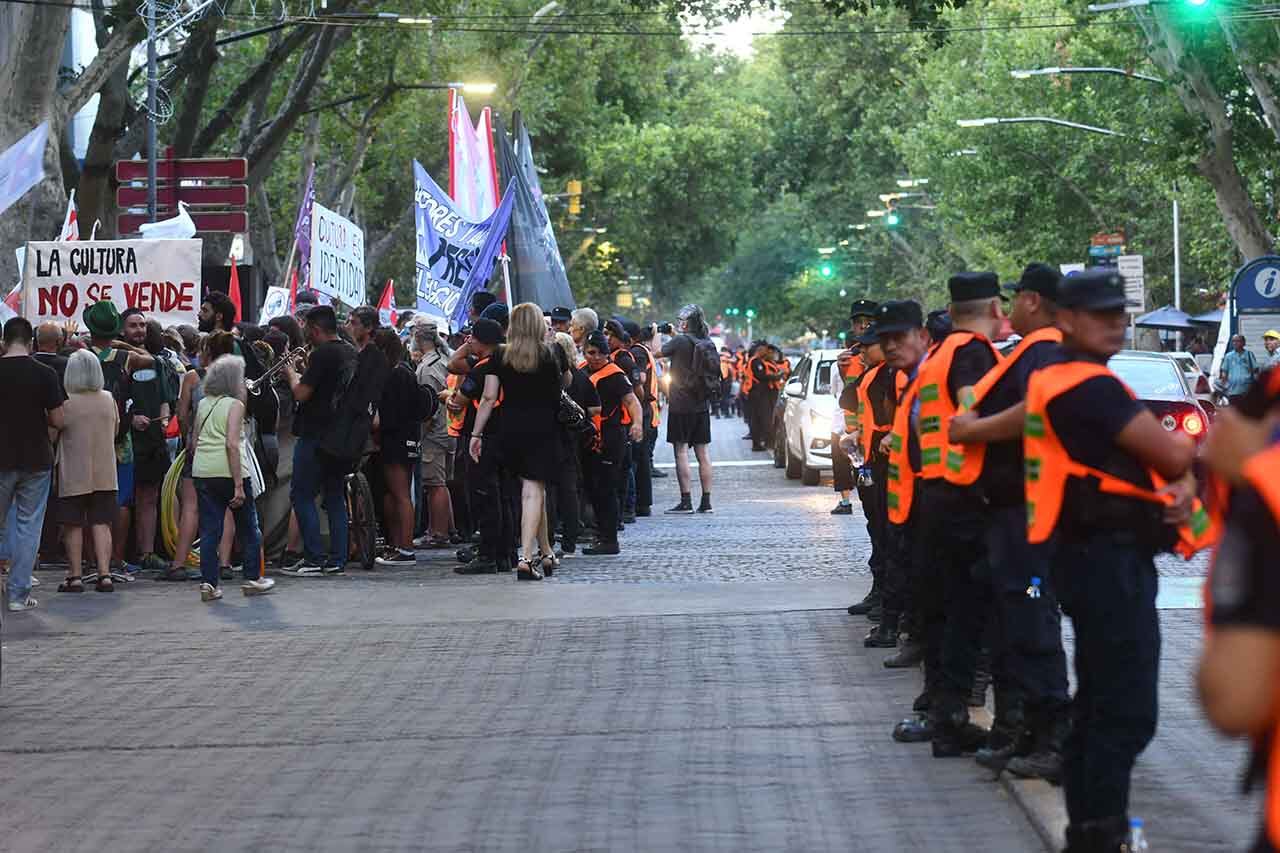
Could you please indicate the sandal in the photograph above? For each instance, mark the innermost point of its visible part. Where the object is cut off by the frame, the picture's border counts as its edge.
(173, 573)
(71, 584)
(529, 570)
(105, 584)
(550, 565)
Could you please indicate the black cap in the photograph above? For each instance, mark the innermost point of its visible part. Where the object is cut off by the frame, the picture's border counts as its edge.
(487, 331)
(1038, 278)
(939, 324)
(1098, 289)
(632, 328)
(596, 339)
(560, 314)
(898, 315)
(868, 337)
(615, 328)
(863, 308)
(497, 312)
(967, 286)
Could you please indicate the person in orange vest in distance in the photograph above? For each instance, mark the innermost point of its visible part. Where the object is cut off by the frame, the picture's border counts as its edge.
(1030, 666)
(620, 420)
(1096, 464)
(851, 366)
(900, 329)
(950, 598)
(760, 375)
(1240, 664)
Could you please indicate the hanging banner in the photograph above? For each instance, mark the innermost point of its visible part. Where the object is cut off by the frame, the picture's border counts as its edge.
(161, 277)
(455, 255)
(302, 229)
(337, 256)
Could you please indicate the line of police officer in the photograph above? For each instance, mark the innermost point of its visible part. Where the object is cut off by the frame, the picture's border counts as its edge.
(1003, 489)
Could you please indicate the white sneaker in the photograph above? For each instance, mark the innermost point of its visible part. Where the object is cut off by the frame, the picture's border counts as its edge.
(27, 603)
(209, 592)
(35, 581)
(304, 569)
(262, 586)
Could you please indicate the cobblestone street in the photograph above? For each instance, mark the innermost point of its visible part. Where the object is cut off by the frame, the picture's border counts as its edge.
(704, 691)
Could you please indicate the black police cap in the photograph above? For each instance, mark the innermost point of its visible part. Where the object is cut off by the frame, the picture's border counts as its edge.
(863, 308)
(1038, 278)
(939, 324)
(560, 314)
(868, 337)
(1098, 289)
(596, 339)
(898, 315)
(968, 286)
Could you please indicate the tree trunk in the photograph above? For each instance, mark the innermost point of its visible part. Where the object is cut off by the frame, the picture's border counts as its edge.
(95, 197)
(1262, 88)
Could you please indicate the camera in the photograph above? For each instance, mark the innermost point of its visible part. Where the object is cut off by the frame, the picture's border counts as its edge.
(665, 329)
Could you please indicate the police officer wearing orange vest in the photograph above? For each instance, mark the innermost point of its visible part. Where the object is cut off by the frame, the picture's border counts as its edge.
(1096, 461)
(1029, 665)
(1240, 665)
(900, 331)
(950, 595)
(620, 421)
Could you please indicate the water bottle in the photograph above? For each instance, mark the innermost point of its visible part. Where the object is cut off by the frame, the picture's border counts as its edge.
(1033, 591)
(864, 476)
(1137, 842)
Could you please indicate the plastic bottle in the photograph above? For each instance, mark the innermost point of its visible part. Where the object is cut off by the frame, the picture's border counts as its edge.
(1033, 591)
(1137, 842)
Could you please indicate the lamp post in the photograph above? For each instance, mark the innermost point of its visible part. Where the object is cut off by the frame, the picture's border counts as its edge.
(1025, 73)
(986, 122)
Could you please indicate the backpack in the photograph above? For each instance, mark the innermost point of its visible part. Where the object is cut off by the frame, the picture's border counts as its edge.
(115, 381)
(422, 406)
(705, 368)
(342, 446)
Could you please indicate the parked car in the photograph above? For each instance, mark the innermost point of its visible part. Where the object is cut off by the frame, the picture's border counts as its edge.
(1159, 381)
(803, 442)
(1198, 380)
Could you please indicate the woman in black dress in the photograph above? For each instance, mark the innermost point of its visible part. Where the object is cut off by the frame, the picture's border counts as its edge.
(399, 432)
(528, 374)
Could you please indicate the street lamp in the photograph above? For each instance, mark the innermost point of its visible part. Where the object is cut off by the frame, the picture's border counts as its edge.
(986, 122)
(1025, 73)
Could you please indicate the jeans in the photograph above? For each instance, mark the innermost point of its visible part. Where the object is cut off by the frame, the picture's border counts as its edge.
(28, 493)
(311, 476)
(213, 496)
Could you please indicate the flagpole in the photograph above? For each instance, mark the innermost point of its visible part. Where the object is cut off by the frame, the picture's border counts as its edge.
(506, 276)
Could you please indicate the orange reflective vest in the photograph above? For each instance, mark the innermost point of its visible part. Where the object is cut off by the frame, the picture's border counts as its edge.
(749, 375)
(965, 461)
(901, 481)
(650, 368)
(457, 418)
(867, 424)
(604, 373)
(937, 407)
(726, 366)
(1047, 466)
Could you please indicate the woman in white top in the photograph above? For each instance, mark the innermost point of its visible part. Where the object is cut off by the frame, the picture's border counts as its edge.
(220, 471)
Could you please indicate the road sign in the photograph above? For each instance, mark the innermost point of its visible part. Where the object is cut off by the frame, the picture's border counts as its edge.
(1255, 301)
(1107, 238)
(207, 168)
(233, 222)
(1105, 251)
(167, 198)
(1135, 284)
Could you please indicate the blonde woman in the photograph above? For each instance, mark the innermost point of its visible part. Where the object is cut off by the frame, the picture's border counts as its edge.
(220, 470)
(528, 375)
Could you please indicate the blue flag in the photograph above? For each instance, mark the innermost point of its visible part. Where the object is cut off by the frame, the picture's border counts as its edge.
(455, 256)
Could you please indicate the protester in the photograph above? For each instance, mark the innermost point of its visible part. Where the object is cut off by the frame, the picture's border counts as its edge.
(695, 368)
(530, 376)
(87, 470)
(400, 416)
(221, 472)
(49, 343)
(330, 367)
(438, 445)
(1239, 369)
(33, 409)
(153, 391)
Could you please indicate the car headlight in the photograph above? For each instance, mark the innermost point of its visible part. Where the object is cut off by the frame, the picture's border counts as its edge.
(819, 419)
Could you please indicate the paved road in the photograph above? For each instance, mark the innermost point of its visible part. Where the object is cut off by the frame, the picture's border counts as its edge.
(705, 691)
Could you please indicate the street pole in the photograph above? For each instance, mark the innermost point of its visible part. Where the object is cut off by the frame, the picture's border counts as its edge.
(152, 85)
(750, 337)
(1177, 258)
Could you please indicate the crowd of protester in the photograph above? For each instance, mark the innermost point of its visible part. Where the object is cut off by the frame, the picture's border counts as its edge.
(523, 437)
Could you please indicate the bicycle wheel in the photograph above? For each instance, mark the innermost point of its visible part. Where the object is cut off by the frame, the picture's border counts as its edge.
(364, 522)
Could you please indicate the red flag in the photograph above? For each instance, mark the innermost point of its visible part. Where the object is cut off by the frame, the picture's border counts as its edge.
(14, 299)
(293, 291)
(387, 305)
(70, 224)
(233, 290)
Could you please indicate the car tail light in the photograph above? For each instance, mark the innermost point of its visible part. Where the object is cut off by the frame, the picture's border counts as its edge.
(1169, 422)
(1192, 424)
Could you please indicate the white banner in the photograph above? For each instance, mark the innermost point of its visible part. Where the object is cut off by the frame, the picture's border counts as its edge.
(337, 257)
(22, 166)
(162, 277)
(276, 304)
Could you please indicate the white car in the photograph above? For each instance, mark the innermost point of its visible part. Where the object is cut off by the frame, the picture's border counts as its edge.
(809, 407)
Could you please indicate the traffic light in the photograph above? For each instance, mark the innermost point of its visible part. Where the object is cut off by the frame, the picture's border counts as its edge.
(891, 219)
(826, 270)
(574, 191)
(751, 313)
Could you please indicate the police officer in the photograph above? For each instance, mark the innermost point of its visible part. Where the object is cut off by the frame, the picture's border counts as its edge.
(1240, 664)
(852, 366)
(619, 342)
(1026, 631)
(1096, 465)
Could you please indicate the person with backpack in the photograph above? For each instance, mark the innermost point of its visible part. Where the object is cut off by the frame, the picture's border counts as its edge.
(403, 408)
(330, 368)
(695, 382)
(119, 361)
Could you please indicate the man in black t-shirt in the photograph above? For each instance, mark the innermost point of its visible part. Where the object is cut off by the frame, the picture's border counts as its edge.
(33, 408)
(689, 409)
(330, 369)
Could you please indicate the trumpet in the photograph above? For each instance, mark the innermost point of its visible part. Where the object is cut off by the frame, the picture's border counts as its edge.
(254, 386)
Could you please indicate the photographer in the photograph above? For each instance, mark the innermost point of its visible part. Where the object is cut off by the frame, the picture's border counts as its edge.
(695, 378)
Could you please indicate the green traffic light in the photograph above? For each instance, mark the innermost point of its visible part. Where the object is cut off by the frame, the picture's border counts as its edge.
(751, 312)
(1197, 2)
(891, 219)
(826, 271)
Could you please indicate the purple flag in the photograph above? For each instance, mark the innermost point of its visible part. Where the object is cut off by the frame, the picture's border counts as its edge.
(302, 230)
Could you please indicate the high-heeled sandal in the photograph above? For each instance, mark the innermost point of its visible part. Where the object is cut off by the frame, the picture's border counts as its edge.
(550, 564)
(529, 570)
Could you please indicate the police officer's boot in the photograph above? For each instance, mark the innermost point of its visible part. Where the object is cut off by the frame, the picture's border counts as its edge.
(1108, 835)
(1009, 736)
(953, 734)
(981, 680)
(1045, 758)
(884, 635)
(871, 600)
(910, 654)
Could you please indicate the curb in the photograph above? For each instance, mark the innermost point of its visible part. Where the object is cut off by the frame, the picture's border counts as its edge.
(1043, 805)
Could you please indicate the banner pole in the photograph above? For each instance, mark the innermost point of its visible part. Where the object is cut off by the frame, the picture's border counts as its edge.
(506, 276)
(288, 264)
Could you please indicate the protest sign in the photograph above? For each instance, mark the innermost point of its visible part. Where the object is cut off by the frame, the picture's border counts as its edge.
(276, 304)
(455, 255)
(337, 256)
(162, 277)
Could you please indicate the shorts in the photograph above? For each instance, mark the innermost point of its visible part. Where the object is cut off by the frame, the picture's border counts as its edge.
(399, 450)
(690, 428)
(86, 510)
(437, 464)
(151, 459)
(124, 484)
